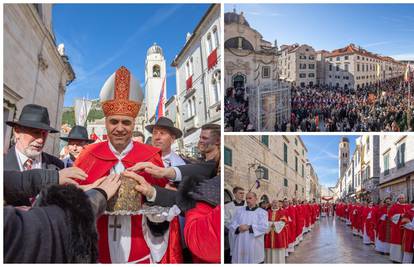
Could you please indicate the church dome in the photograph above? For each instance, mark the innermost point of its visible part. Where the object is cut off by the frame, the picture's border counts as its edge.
(233, 17)
(154, 49)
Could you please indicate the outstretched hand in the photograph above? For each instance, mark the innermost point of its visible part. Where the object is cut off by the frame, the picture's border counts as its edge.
(143, 186)
(154, 170)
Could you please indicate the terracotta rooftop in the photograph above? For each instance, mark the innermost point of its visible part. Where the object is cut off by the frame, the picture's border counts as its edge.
(353, 49)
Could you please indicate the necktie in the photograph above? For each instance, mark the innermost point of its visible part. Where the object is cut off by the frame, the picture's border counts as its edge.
(28, 164)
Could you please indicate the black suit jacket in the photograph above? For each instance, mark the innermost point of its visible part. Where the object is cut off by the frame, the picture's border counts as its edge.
(10, 163)
(167, 198)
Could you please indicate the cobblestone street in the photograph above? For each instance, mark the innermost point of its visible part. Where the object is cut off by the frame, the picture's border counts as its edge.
(331, 241)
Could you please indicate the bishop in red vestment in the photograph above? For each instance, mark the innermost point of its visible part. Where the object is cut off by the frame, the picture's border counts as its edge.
(127, 238)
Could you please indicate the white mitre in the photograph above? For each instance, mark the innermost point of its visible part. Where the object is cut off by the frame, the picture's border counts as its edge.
(121, 94)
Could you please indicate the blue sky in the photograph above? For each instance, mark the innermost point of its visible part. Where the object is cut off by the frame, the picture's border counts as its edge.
(99, 38)
(323, 154)
(387, 29)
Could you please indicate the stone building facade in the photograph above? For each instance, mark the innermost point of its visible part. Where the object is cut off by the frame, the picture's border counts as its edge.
(396, 166)
(283, 158)
(297, 64)
(35, 72)
(198, 78)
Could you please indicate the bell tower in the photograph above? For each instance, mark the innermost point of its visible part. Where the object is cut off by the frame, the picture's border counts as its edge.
(343, 155)
(155, 76)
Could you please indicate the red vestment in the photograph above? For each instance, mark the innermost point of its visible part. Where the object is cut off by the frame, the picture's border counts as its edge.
(277, 240)
(396, 231)
(383, 226)
(291, 233)
(97, 160)
(408, 234)
(202, 232)
(300, 220)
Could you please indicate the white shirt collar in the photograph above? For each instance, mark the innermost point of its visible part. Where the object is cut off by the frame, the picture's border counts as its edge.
(22, 158)
(123, 153)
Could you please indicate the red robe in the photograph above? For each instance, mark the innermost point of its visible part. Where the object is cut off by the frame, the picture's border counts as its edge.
(383, 226)
(97, 161)
(300, 220)
(408, 235)
(396, 231)
(277, 240)
(291, 233)
(202, 232)
(368, 219)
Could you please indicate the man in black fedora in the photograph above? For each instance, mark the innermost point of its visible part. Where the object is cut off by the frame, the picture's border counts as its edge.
(30, 134)
(77, 139)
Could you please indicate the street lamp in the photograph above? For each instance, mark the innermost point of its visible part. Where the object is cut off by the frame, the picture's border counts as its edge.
(259, 172)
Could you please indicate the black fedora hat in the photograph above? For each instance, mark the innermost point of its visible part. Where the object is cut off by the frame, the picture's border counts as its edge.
(78, 133)
(166, 123)
(34, 116)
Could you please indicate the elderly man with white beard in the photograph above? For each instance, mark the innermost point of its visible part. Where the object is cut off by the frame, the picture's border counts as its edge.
(30, 134)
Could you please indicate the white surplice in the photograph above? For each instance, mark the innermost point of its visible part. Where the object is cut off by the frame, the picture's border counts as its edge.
(249, 247)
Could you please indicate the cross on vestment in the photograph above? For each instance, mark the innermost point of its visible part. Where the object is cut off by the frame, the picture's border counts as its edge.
(115, 226)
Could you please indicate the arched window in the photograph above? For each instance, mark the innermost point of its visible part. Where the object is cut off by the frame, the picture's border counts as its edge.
(209, 44)
(238, 43)
(189, 108)
(216, 89)
(156, 71)
(216, 37)
(193, 107)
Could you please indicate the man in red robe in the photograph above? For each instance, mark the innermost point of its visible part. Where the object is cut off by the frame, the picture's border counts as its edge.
(276, 241)
(127, 238)
(395, 214)
(408, 235)
(291, 225)
(382, 241)
(368, 224)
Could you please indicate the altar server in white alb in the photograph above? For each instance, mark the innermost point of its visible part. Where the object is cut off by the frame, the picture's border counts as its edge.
(249, 226)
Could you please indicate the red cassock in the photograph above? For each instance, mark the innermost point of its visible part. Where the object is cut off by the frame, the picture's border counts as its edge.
(202, 232)
(291, 233)
(97, 160)
(396, 231)
(300, 220)
(383, 226)
(368, 220)
(408, 235)
(354, 217)
(273, 239)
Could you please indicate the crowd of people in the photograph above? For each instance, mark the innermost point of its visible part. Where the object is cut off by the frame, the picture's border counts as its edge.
(387, 226)
(56, 211)
(386, 106)
(265, 233)
(236, 111)
(379, 107)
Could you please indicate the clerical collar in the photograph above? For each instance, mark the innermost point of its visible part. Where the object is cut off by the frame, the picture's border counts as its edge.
(251, 209)
(238, 204)
(123, 153)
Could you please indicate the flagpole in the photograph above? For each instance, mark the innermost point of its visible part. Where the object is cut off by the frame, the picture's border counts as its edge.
(252, 186)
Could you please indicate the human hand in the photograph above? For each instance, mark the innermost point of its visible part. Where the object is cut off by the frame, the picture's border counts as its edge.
(154, 170)
(143, 186)
(110, 184)
(93, 185)
(67, 175)
(243, 228)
